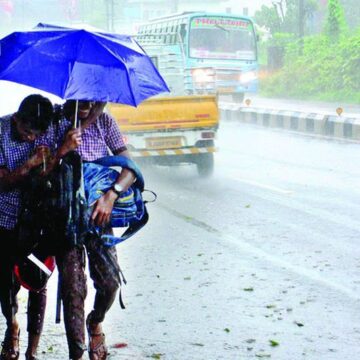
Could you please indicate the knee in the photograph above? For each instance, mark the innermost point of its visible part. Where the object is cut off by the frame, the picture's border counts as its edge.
(111, 287)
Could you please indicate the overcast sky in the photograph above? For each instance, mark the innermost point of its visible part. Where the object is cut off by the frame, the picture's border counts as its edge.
(252, 5)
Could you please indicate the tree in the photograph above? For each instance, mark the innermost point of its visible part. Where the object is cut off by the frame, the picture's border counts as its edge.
(269, 18)
(283, 16)
(352, 12)
(335, 21)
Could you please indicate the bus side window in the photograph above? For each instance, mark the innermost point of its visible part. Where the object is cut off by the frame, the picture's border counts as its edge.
(176, 41)
(155, 61)
(168, 39)
(183, 32)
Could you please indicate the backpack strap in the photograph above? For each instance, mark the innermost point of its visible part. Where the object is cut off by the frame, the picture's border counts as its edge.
(111, 240)
(124, 162)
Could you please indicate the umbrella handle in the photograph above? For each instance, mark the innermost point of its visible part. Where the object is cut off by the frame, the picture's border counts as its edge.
(76, 114)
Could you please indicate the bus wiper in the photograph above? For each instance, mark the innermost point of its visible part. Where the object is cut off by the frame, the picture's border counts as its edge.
(222, 28)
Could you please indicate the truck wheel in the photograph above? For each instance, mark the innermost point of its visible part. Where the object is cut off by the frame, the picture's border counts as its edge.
(205, 164)
(238, 97)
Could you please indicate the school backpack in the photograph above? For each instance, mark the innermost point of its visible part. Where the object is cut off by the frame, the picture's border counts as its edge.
(129, 210)
(54, 215)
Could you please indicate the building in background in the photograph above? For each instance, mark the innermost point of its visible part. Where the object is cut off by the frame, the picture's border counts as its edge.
(113, 15)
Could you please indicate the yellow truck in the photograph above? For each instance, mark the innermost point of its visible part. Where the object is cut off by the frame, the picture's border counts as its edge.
(171, 130)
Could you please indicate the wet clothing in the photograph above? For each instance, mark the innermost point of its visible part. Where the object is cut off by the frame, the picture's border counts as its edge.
(9, 287)
(13, 154)
(100, 137)
(71, 266)
(97, 140)
(105, 273)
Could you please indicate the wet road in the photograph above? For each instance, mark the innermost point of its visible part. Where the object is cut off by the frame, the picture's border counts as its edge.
(260, 261)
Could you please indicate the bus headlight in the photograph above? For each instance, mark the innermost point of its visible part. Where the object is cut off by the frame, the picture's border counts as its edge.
(203, 75)
(248, 76)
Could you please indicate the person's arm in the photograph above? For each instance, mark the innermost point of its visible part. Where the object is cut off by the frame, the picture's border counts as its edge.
(12, 179)
(126, 177)
(71, 142)
(103, 207)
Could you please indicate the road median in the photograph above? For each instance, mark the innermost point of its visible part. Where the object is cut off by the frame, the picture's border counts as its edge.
(347, 127)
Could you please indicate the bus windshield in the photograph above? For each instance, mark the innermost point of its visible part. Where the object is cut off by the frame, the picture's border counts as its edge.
(222, 38)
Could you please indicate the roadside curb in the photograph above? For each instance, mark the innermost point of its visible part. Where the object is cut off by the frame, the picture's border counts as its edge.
(321, 124)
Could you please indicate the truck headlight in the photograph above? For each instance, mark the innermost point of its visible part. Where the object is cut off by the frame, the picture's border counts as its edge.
(248, 76)
(203, 75)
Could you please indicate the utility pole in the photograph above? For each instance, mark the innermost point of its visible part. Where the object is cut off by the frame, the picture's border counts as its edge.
(301, 23)
(174, 6)
(112, 16)
(280, 17)
(109, 15)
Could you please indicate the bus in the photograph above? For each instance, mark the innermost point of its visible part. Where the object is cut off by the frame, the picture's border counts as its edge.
(202, 53)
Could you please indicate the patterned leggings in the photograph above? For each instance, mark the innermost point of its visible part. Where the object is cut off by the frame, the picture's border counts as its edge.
(104, 271)
(71, 265)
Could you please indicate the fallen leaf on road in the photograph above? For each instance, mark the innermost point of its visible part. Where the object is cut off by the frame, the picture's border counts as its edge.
(156, 356)
(274, 343)
(250, 341)
(227, 330)
(298, 323)
(249, 289)
(270, 306)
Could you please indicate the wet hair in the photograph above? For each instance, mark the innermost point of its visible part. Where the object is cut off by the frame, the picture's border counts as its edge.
(69, 108)
(36, 111)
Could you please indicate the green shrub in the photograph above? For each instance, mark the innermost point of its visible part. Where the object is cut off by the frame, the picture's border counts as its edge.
(323, 69)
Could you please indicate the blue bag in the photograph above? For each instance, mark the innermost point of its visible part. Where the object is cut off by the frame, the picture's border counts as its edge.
(129, 209)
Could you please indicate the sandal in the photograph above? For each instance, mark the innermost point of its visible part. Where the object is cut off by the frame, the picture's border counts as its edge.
(30, 357)
(97, 349)
(10, 347)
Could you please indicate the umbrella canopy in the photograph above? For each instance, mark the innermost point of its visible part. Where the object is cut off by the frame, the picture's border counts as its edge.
(81, 65)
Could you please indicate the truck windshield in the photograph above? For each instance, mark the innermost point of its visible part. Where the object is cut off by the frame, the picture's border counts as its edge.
(222, 38)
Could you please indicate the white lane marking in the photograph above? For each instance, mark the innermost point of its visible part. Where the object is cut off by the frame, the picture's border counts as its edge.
(264, 186)
(244, 245)
(298, 270)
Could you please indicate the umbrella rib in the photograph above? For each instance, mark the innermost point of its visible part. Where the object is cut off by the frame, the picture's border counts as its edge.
(111, 53)
(131, 91)
(102, 39)
(23, 54)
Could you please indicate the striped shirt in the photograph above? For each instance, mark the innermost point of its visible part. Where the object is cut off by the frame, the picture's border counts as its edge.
(13, 154)
(100, 139)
